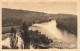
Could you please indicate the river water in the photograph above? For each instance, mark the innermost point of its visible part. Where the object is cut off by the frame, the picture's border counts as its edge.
(51, 31)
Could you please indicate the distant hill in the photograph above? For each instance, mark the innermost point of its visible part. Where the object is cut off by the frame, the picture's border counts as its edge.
(12, 17)
(13, 13)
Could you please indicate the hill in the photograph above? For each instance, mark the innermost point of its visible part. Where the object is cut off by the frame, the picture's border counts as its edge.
(9, 16)
(14, 17)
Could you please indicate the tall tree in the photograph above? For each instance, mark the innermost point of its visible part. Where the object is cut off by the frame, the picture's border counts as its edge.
(25, 35)
(13, 39)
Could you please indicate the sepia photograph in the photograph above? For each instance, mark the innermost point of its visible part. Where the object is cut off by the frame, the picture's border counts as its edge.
(39, 25)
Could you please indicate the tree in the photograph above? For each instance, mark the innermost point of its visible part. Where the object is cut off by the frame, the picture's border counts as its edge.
(13, 30)
(25, 35)
(13, 39)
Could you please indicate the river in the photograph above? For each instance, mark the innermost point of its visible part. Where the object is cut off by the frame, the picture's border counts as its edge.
(51, 31)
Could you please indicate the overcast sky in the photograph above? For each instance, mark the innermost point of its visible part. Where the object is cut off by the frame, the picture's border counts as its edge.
(47, 7)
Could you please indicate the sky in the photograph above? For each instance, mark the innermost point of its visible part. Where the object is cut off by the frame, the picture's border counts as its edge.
(47, 7)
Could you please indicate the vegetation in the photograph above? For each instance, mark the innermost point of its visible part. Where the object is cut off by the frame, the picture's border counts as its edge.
(23, 19)
(8, 28)
(34, 38)
(11, 22)
(37, 39)
(13, 17)
(13, 39)
(13, 30)
(69, 24)
(25, 35)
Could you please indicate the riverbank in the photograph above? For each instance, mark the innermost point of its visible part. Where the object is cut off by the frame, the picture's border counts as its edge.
(69, 24)
(61, 39)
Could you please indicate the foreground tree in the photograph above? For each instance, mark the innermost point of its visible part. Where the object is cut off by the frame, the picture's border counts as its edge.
(13, 39)
(25, 35)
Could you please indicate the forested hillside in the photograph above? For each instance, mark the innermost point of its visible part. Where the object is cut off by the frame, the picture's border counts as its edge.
(14, 17)
(11, 17)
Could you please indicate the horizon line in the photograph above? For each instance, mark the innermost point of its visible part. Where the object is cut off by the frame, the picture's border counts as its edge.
(38, 11)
